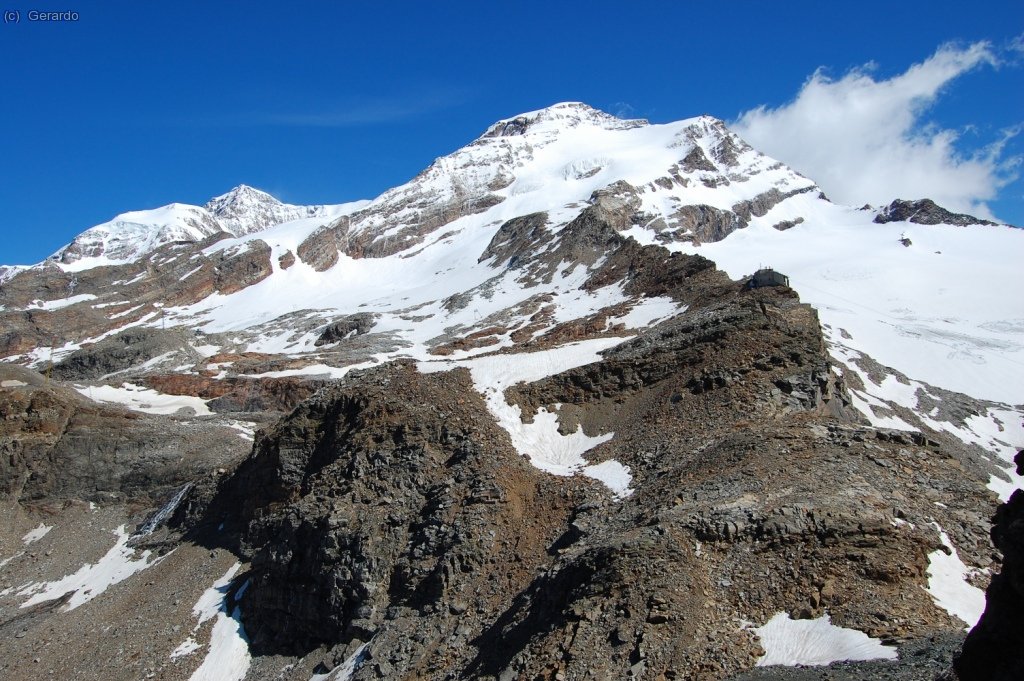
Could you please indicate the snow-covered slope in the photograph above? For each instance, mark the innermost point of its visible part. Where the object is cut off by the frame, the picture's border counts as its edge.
(245, 210)
(435, 264)
(942, 309)
(132, 235)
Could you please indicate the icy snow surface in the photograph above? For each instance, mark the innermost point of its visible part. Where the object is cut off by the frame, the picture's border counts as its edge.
(146, 400)
(345, 670)
(948, 585)
(228, 657)
(944, 310)
(37, 534)
(540, 441)
(92, 579)
(815, 642)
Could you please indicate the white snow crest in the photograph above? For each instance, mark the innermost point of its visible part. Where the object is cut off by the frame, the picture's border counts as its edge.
(815, 642)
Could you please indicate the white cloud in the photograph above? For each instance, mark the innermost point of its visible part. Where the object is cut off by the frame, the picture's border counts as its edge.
(864, 140)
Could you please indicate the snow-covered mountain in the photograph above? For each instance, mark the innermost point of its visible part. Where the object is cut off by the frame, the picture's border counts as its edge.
(132, 235)
(245, 210)
(576, 289)
(933, 301)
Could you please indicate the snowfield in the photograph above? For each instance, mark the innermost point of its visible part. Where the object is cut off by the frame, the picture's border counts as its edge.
(815, 642)
(943, 310)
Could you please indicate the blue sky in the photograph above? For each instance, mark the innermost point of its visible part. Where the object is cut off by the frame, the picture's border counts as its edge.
(138, 104)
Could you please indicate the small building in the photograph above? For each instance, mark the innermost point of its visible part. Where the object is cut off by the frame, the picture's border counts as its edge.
(766, 276)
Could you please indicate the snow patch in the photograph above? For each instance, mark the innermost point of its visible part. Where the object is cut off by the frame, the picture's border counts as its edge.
(36, 534)
(228, 657)
(146, 400)
(815, 642)
(4, 562)
(948, 585)
(345, 670)
(60, 302)
(540, 441)
(92, 579)
(188, 646)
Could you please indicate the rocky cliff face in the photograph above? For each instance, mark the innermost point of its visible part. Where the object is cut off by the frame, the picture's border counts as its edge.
(995, 647)
(57, 444)
(390, 511)
(925, 212)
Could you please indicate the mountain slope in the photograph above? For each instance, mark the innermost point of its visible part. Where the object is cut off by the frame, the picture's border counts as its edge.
(529, 403)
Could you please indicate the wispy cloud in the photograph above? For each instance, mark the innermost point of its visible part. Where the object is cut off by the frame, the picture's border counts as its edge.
(623, 110)
(349, 112)
(866, 141)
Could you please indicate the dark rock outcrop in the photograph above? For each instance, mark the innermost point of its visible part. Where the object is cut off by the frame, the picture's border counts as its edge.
(706, 223)
(925, 212)
(239, 393)
(516, 238)
(55, 443)
(346, 327)
(391, 509)
(360, 510)
(697, 160)
(117, 353)
(994, 649)
(321, 248)
(241, 267)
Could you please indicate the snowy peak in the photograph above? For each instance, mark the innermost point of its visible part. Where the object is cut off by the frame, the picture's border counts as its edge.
(557, 117)
(239, 200)
(245, 210)
(132, 234)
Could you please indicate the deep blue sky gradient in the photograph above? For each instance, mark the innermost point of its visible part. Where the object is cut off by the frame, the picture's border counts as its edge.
(141, 103)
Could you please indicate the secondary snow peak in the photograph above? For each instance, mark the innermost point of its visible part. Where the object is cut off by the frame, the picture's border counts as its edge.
(241, 197)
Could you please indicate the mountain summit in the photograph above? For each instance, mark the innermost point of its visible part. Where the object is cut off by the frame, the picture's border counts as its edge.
(245, 210)
(559, 117)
